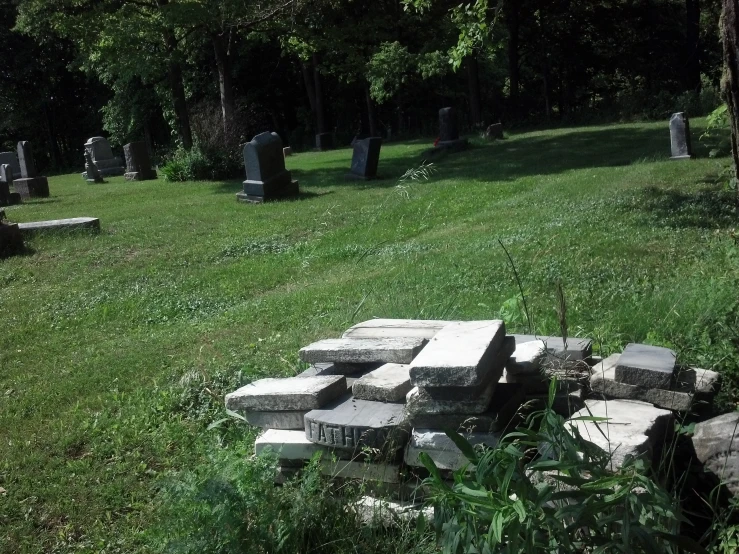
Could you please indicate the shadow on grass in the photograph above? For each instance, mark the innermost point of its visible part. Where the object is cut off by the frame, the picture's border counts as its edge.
(232, 187)
(709, 208)
(523, 156)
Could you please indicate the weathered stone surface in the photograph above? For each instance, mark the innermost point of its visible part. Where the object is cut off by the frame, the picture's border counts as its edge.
(533, 383)
(103, 158)
(11, 159)
(461, 354)
(329, 368)
(441, 449)
(506, 399)
(266, 176)
(604, 382)
(680, 136)
(395, 328)
(25, 160)
(288, 445)
(646, 366)
(6, 174)
(494, 131)
(527, 357)
(35, 187)
(389, 512)
(138, 162)
(448, 125)
(277, 420)
(577, 349)
(60, 224)
(474, 392)
(350, 424)
(291, 394)
(363, 351)
(11, 240)
(365, 158)
(633, 428)
(717, 447)
(703, 382)
(388, 383)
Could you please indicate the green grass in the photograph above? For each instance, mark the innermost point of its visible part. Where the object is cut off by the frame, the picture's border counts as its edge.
(116, 348)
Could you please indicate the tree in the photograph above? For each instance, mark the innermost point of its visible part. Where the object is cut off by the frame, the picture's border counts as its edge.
(730, 80)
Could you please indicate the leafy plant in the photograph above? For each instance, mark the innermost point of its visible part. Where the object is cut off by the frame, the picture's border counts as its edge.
(544, 488)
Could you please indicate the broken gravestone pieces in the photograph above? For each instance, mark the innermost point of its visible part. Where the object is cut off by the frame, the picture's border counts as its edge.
(441, 449)
(388, 383)
(363, 351)
(680, 137)
(716, 446)
(71, 224)
(138, 163)
(30, 184)
(462, 354)
(351, 424)
(102, 156)
(646, 366)
(365, 158)
(266, 176)
(631, 428)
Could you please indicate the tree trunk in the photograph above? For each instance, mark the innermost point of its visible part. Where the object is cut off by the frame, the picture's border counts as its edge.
(473, 84)
(177, 88)
(692, 46)
(730, 80)
(371, 116)
(513, 54)
(308, 81)
(223, 63)
(320, 112)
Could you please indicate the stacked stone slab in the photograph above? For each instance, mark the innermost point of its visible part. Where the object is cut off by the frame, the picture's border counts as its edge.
(30, 184)
(102, 156)
(650, 374)
(266, 176)
(138, 163)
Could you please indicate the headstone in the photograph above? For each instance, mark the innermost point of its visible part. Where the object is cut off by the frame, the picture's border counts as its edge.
(365, 158)
(4, 193)
(287, 151)
(25, 159)
(325, 141)
(91, 170)
(461, 354)
(448, 130)
(266, 176)
(442, 450)
(716, 445)
(277, 420)
(7, 198)
(646, 366)
(631, 428)
(388, 383)
(103, 158)
(351, 424)
(291, 394)
(70, 224)
(680, 137)
(6, 174)
(11, 158)
(395, 328)
(362, 351)
(494, 131)
(11, 239)
(138, 163)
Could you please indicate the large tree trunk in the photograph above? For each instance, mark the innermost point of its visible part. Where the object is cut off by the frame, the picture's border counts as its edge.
(318, 87)
(371, 116)
(177, 88)
(223, 63)
(730, 80)
(513, 55)
(308, 81)
(473, 84)
(692, 45)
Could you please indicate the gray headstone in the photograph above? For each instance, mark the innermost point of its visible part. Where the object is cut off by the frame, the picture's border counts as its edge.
(494, 131)
(92, 175)
(6, 173)
(138, 163)
(448, 125)
(350, 424)
(680, 136)
(646, 366)
(717, 447)
(264, 161)
(25, 159)
(365, 157)
(11, 159)
(99, 148)
(291, 394)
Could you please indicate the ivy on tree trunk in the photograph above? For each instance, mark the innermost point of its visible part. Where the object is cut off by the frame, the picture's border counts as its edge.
(730, 80)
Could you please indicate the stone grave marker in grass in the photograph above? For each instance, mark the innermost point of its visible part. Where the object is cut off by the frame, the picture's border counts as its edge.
(11, 158)
(71, 224)
(680, 137)
(103, 158)
(266, 176)
(91, 170)
(138, 163)
(30, 184)
(365, 158)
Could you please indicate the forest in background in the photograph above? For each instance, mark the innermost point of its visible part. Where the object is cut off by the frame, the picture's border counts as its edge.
(212, 73)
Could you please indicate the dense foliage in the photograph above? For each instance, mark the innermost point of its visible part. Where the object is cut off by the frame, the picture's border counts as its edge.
(142, 70)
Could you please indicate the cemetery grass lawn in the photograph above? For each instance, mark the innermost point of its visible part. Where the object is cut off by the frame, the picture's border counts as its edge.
(117, 348)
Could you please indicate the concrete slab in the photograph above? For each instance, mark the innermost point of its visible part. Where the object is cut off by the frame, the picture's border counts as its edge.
(363, 351)
(395, 328)
(646, 366)
(388, 383)
(60, 224)
(290, 394)
(441, 449)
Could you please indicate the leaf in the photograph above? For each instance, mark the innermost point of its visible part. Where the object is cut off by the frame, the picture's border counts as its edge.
(681, 541)
(464, 446)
